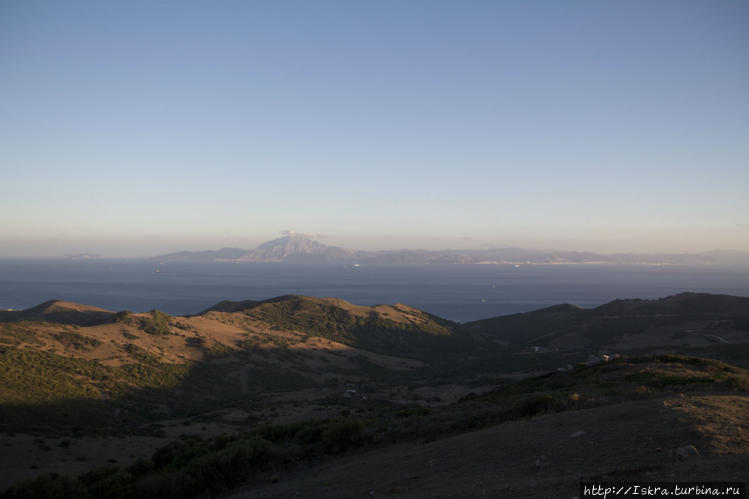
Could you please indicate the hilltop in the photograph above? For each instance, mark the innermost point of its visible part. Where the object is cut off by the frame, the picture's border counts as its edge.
(58, 311)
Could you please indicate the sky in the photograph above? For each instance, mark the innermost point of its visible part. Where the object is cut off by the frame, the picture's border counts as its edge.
(134, 128)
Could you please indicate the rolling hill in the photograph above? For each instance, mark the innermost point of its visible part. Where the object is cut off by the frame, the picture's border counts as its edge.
(58, 311)
(293, 382)
(686, 319)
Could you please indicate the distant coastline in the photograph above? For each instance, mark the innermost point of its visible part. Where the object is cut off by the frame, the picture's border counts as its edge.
(83, 256)
(297, 248)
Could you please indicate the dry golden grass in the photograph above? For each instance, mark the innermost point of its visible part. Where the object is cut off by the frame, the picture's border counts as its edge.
(722, 420)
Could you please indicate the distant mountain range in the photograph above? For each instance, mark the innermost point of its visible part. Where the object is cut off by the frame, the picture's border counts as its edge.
(83, 256)
(297, 248)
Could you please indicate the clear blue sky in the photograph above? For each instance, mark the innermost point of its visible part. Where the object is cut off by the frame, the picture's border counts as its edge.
(136, 127)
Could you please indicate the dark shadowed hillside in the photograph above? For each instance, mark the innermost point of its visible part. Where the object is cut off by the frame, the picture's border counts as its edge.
(686, 319)
(58, 311)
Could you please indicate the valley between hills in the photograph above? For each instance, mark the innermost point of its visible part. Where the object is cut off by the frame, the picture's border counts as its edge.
(297, 396)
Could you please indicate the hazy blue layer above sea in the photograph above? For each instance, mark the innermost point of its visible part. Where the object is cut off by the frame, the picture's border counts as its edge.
(457, 292)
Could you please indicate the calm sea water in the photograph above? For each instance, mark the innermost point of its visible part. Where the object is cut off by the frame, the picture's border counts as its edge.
(457, 292)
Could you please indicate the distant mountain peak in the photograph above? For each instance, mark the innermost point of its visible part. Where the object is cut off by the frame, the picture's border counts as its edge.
(297, 247)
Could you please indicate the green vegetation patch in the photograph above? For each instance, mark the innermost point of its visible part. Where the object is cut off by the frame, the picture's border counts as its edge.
(76, 341)
(373, 332)
(123, 317)
(32, 377)
(148, 370)
(14, 334)
(217, 349)
(46, 389)
(156, 323)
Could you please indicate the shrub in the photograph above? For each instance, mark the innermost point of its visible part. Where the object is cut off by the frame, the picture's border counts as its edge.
(48, 487)
(76, 341)
(340, 435)
(123, 317)
(157, 324)
(542, 404)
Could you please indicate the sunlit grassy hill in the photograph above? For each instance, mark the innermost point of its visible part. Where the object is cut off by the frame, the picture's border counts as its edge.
(388, 329)
(143, 366)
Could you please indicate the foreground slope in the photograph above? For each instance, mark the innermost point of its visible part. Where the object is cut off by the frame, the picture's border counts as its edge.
(546, 456)
(644, 418)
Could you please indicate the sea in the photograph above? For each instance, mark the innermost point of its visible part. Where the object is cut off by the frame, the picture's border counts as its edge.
(457, 292)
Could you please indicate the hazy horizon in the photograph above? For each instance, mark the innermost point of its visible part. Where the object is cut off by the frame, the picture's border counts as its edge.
(142, 128)
(149, 246)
